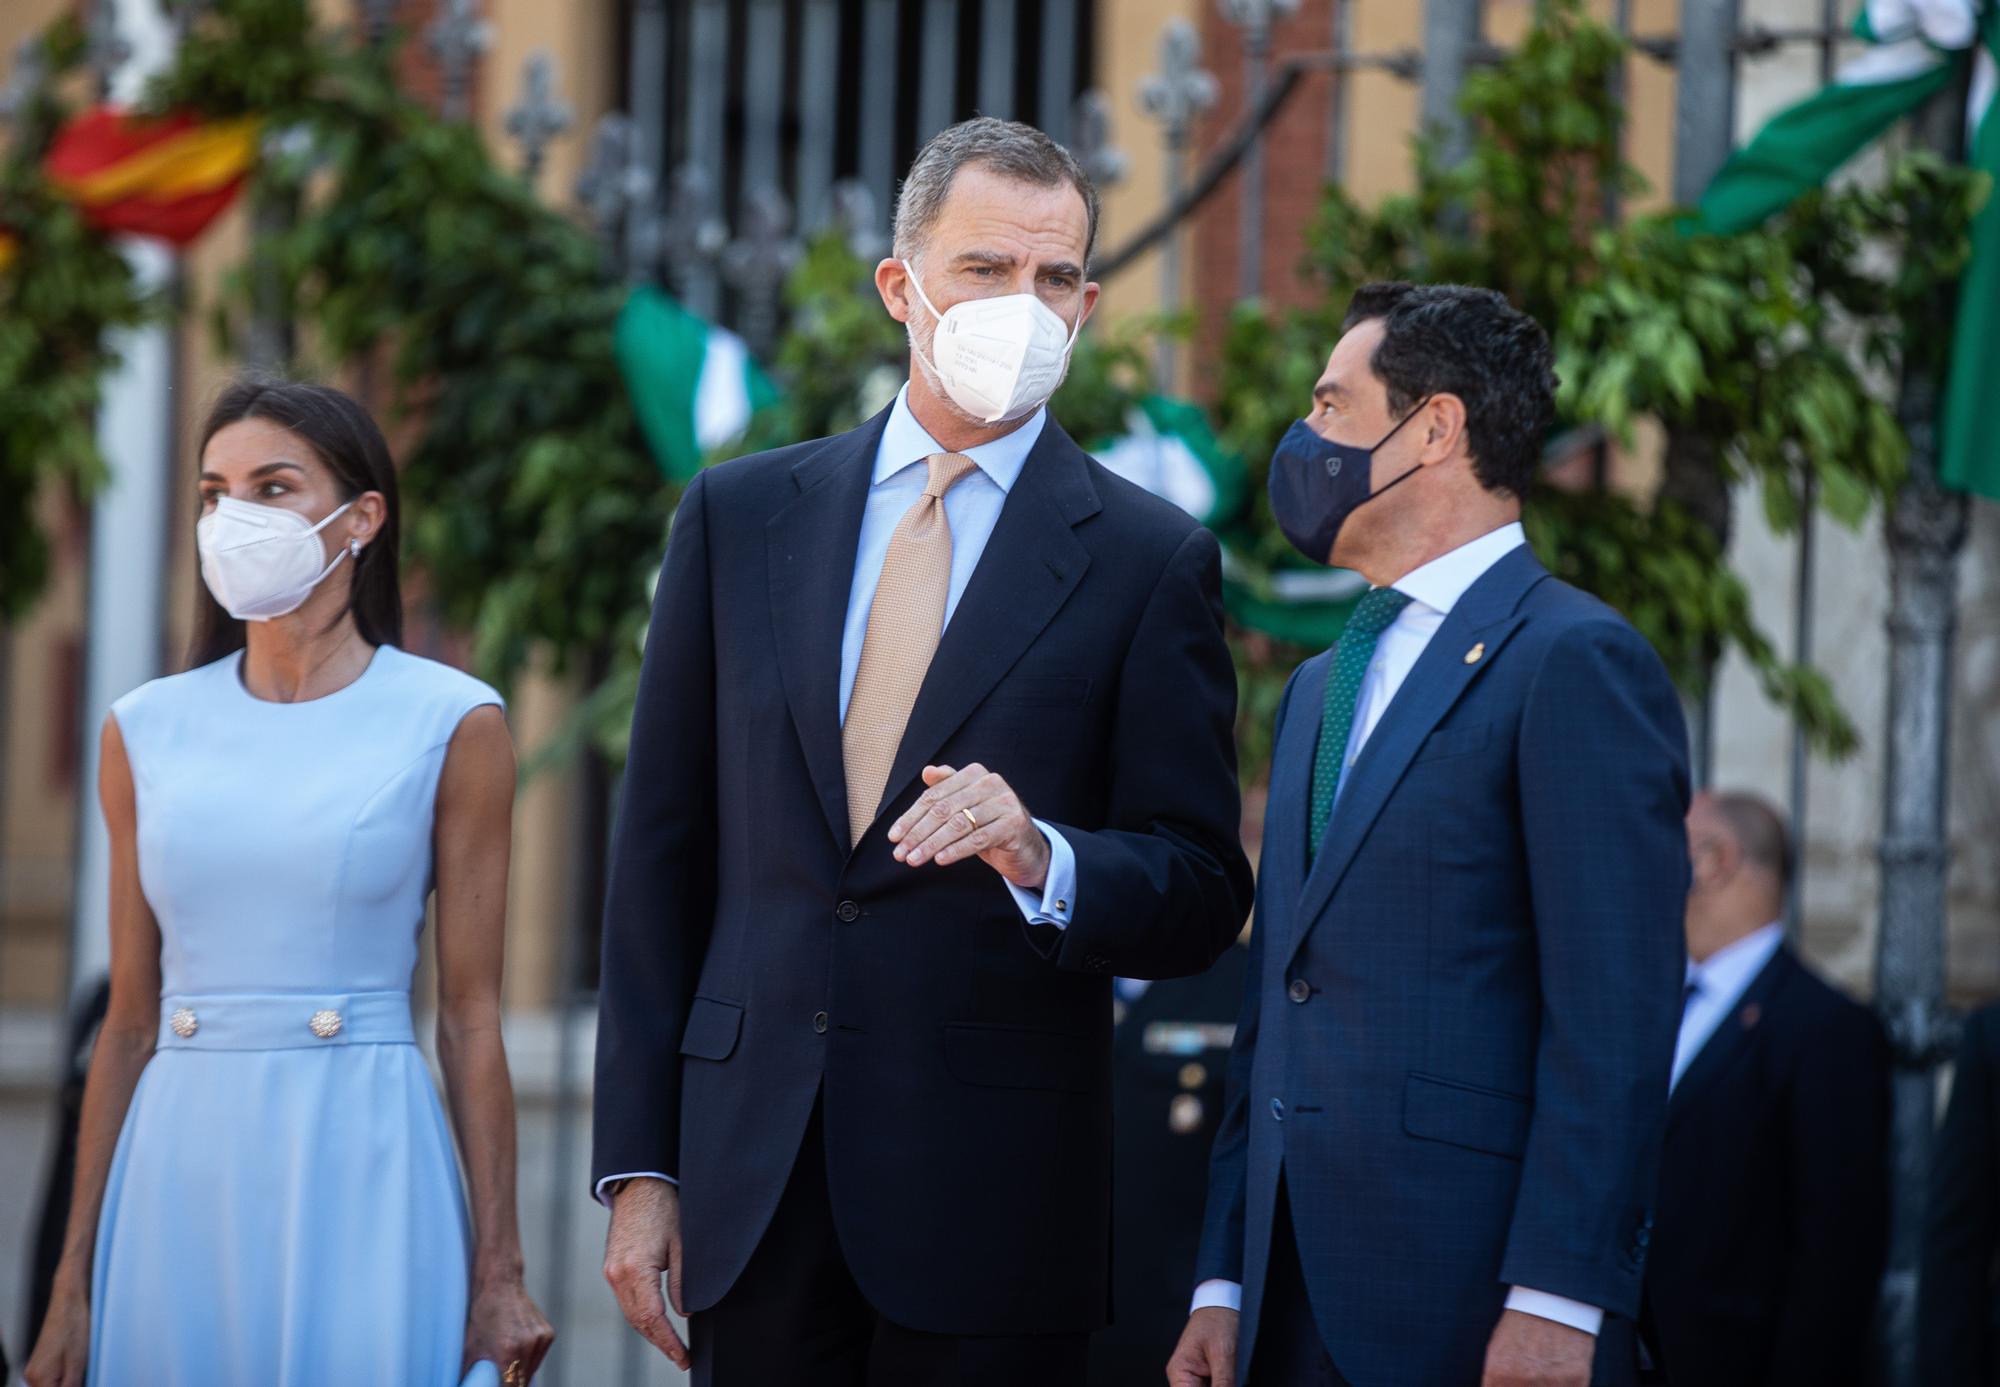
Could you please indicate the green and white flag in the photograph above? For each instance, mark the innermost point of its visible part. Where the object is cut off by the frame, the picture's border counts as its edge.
(1169, 449)
(1918, 49)
(693, 385)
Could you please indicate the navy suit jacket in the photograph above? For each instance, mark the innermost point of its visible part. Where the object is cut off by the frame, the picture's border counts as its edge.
(753, 962)
(1460, 1017)
(1774, 1194)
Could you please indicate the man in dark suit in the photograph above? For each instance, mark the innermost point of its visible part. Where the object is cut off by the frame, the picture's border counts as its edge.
(1169, 1058)
(1774, 1197)
(1958, 1305)
(933, 739)
(1449, 1078)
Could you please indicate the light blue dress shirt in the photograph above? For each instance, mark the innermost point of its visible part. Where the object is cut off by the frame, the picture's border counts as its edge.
(971, 508)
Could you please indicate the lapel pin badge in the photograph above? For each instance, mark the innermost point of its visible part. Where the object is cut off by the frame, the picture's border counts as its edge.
(1474, 655)
(1752, 1014)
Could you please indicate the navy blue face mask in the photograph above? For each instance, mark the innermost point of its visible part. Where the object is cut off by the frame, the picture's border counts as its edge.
(1315, 485)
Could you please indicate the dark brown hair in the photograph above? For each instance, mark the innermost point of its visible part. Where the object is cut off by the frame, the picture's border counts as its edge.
(345, 438)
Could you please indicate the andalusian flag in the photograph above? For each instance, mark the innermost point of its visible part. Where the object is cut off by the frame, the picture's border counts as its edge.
(1919, 49)
(693, 385)
(168, 177)
(1169, 449)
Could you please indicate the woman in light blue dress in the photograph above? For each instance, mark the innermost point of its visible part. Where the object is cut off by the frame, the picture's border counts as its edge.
(266, 1190)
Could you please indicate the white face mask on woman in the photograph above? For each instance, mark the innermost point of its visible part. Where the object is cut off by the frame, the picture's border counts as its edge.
(262, 562)
(999, 358)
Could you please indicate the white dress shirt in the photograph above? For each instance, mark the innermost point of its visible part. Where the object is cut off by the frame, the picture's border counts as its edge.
(1718, 984)
(972, 508)
(1433, 590)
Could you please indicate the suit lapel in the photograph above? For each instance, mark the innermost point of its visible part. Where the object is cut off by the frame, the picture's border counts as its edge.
(1030, 566)
(1731, 1039)
(1281, 868)
(810, 547)
(1485, 615)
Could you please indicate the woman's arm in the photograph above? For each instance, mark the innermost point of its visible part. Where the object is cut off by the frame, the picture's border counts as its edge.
(475, 814)
(124, 1045)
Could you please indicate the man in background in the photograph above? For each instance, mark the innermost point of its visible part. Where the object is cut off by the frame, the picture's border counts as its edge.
(1773, 1221)
(1169, 1058)
(1958, 1304)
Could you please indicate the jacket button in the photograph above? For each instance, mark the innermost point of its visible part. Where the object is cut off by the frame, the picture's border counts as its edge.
(1278, 1109)
(848, 912)
(1299, 990)
(819, 1022)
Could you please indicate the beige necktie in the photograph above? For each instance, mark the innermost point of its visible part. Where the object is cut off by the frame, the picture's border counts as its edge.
(904, 624)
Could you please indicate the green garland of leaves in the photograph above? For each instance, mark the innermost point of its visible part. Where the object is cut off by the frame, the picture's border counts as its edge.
(537, 518)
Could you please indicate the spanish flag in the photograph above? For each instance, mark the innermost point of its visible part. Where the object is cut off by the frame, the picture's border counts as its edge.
(167, 177)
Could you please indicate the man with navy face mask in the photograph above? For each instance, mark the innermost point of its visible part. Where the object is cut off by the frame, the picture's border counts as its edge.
(933, 740)
(1437, 1158)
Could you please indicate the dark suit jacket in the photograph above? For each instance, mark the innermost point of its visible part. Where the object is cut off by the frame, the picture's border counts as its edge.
(752, 962)
(1461, 1016)
(1774, 1194)
(1169, 1059)
(1958, 1309)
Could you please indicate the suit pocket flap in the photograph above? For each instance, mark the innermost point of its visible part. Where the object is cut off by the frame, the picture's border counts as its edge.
(994, 1056)
(1041, 690)
(711, 1029)
(1478, 1118)
(1453, 741)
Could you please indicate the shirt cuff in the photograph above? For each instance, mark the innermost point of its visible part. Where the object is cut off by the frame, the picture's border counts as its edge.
(605, 1200)
(1057, 901)
(1222, 1295)
(1544, 1306)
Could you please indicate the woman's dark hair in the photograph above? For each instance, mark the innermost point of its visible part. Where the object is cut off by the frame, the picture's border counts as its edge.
(342, 436)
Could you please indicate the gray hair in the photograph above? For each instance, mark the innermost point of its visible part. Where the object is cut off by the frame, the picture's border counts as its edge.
(1006, 147)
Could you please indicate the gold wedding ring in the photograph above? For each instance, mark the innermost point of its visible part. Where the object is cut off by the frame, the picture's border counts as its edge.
(968, 818)
(512, 1377)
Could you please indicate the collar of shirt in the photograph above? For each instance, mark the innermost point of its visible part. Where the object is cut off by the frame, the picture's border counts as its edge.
(906, 443)
(1441, 582)
(1728, 972)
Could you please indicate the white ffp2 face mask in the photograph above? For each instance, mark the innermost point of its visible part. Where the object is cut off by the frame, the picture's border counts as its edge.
(999, 358)
(262, 562)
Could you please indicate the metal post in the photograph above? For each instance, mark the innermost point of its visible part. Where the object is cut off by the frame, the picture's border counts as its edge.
(1802, 614)
(647, 74)
(1926, 529)
(1451, 36)
(457, 39)
(707, 95)
(937, 83)
(1174, 96)
(126, 566)
(763, 95)
(1704, 94)
(1336, 108)
(819, 101)
(1704, 134)
(1058, 76)
(1255, 18)
(878, 110)
(996, 58)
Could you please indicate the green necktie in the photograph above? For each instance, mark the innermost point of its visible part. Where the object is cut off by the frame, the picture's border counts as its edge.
(1372, 615)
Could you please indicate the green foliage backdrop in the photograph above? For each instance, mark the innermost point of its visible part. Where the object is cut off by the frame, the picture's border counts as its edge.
(485, 319)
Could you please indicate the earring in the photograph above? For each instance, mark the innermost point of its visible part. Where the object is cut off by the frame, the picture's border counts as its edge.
(354, 548)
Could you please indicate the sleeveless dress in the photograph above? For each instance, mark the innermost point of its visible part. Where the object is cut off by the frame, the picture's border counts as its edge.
(284, 1207)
